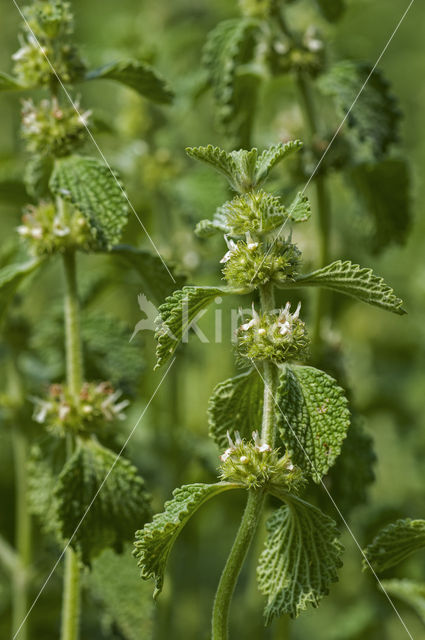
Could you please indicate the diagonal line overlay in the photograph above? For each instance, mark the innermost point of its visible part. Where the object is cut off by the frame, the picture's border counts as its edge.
(350, 531)
(92, 138)
(92, 502)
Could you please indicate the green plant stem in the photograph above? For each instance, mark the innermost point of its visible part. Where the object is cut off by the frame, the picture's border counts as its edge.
(74, 374)
(268, 427)
(232, 569)
(23, 546)
(323, 205)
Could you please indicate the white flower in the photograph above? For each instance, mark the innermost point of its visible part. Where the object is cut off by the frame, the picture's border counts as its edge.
(255, 321)
(250, 243)
(232, 246)
(243, 459)
(23, 230)
(226, 455)
(37, 233)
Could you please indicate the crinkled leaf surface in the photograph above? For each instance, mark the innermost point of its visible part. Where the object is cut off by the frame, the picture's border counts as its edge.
(313, 418)
(355, 281)
(228, 46)
(137, 75)
(156, 282)
(154, 543)
(115, 511)
(375, 117)
(300, 209)
(91, 187)
(300, 560)
(244, 169)
(395, 543)
(384, 190)
(412, 593)
(177, 314)
(236, 405)
(114, 580)
(37, 175)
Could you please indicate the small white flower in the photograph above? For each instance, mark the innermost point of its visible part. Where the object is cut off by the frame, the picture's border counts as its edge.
(243, 459)
(37, 233)
(87, 408)
(290, 467)
(264, 447)
(232, 246)
(64, 410)
(226, 455)
(250, 243)
(23, 230)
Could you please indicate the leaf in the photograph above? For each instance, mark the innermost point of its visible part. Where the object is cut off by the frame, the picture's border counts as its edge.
(355, 281)
(313, 418)
(272, 156)
(412, 593)
(331, 9)
(236, 405)
(156, 282)
(177, 314)
(114, 580)
(300, 559)
(44, 465)
(245, 170)
(11, 277)
(91, 187)
(109, 512)
(375, 117)
(37, 174)
(227, 48)
(154, 543)
(137, 75)
(300, 209)
(395, 543)
(383, 188)
(8, 83)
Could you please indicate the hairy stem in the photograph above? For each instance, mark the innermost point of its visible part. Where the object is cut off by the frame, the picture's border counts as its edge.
(268, 426)
(20, 571)
(74, 374)
(232, 569)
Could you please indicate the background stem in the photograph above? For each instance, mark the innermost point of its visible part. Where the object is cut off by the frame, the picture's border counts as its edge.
(74, 374)
(231, 571)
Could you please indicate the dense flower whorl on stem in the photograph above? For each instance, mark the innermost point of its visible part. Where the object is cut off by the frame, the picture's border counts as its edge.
(97, 403)
(255, 465)
(278, 336)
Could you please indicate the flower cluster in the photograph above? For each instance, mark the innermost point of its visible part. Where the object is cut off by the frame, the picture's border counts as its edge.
(307, 55)
(97, 403)
(255, 465)
(48, 230)
(250, 264)
(53, 130)
(45, 45)
(277, 336)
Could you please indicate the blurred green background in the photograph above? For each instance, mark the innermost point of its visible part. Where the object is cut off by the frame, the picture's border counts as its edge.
(385, 354)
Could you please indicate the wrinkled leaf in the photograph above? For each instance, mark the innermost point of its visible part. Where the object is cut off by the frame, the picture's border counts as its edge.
(313, 418)
(395, 543)
(300, 560)
(154, 543)
(236, 405)
(91, 187)
(139, 76)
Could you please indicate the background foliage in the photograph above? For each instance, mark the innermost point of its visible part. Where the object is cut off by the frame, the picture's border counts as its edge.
(385, 354)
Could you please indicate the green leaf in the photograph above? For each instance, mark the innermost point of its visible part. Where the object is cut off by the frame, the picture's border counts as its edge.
(44, 465)
(37, 174)
(110, 512)
(313, 418)
(177, 314)
(300, 209)
(245, 170)
(383, 188)
(331, 9)
(155, 280)
(139, 76)
(236, 405)
(11, 277)
(355, 281)
(91, 187)
(114, 581)
(154, 543)
(412, 593)
(395, 543)
(8, 83)
(228, 46)
(272, 156)
(300, 560)
(375, 117)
